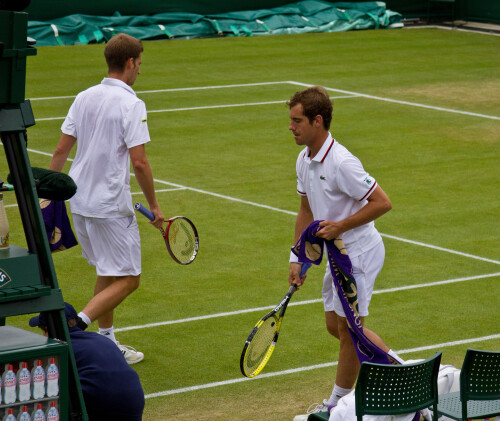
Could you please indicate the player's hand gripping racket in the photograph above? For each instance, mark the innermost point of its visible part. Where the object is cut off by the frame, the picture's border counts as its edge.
(181, 236)
(262, 340)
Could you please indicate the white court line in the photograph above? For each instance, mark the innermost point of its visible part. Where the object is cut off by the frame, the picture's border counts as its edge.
(43, 153)
(222, 196)
(397, 101)
(192, 88)
(311, 367)
(299, 303)
(350, 94)
(207, 107)
(247, 104)
(159, 191)
(417, 243)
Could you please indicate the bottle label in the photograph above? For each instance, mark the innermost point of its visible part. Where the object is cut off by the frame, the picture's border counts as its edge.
(38, 383)
(52, 414)
(24, 383)
(9, 390)
(38, 416)
(24, 417)
(52, 380)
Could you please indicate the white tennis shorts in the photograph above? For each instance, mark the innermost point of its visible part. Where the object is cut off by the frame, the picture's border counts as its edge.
(112, 245)
(366, 268)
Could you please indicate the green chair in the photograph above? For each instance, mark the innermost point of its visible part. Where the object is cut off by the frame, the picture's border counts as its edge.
(397, 389)
(479, 395)
(319, 416)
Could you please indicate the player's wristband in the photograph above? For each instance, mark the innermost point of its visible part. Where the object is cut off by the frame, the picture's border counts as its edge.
(293, 258)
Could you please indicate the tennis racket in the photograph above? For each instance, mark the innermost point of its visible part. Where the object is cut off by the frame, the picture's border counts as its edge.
(181, 236)
(261, 342)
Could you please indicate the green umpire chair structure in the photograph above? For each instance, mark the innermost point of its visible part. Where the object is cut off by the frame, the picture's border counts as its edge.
(383, 389)
(479, 395)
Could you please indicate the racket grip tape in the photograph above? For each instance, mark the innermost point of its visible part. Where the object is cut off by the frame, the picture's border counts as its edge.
(305, 268)
(146, 212)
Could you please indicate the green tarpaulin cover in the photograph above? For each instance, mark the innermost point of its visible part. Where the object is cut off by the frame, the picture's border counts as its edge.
(300, 17)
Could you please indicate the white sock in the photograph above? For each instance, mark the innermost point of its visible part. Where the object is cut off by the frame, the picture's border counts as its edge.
(396, 356)
(337, 393)
(109, 333)
(85, 318)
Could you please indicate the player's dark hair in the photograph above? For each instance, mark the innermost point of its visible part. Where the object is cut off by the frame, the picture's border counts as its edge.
(315, 101)
(120, 49)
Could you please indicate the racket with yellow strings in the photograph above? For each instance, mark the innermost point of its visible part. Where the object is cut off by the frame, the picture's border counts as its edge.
(261, 342)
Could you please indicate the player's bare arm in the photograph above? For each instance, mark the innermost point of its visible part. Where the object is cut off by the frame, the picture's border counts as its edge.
(144, 176)
(304, 219)
(378, 204)
(62, 151)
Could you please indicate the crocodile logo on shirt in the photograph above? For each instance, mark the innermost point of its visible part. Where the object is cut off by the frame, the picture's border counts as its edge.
(322, 177)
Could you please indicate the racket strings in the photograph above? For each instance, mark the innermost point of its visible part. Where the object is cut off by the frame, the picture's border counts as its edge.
(260, 344)
(181, 239)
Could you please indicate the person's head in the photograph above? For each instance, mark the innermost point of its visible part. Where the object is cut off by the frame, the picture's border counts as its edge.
(41, 320)
(123, 55)
(310, 116)
(315, 102)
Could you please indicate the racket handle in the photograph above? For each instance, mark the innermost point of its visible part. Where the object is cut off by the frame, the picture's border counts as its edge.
(146, 212)
(305, 268)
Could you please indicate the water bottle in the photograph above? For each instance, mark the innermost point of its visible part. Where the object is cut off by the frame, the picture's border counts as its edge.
(4, 226)
(52, 379)
(38, 380)
(9, 385)
(24, 415)
(9, 416)
(38, 414)
(23, 383)
(52, 412)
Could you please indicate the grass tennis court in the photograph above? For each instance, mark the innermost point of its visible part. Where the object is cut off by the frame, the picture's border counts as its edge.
(419, 107)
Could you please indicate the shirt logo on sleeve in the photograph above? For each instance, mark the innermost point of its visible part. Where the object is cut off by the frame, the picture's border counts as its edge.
(322, 177)
(368, 181)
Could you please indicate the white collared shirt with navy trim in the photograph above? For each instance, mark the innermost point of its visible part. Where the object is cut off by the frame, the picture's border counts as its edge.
(337, 186)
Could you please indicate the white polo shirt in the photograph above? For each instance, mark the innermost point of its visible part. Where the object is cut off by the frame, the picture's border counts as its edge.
(107, 120)
(337, 186)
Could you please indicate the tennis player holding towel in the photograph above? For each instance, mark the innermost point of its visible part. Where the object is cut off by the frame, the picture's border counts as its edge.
(335, 188)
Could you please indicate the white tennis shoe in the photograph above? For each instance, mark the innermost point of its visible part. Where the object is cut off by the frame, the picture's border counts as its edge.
(132, 356)
(313, 409)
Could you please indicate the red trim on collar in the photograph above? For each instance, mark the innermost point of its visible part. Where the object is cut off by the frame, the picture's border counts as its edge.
(326, 153)
(369, 192)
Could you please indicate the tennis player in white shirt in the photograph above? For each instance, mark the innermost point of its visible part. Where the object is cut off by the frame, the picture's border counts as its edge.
(108, 123)
(335, 188)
